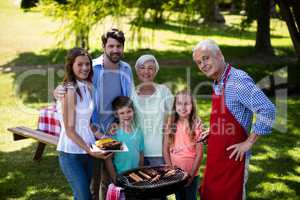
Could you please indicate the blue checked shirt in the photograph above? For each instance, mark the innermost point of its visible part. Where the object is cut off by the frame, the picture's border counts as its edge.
(243, 98)
(126, 87)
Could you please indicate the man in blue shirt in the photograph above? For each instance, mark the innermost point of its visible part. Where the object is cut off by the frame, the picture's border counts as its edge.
(112, 78)
(235, 98)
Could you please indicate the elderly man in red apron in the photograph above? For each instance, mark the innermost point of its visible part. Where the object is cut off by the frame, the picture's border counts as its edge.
(235, 98)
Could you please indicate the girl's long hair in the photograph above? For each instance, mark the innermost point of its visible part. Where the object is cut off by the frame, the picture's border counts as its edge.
(175, 117)
(69, 76)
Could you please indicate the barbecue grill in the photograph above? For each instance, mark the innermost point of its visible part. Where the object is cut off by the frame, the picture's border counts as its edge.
(149, 188)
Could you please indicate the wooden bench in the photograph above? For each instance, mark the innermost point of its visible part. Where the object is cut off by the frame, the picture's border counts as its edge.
(43, 138)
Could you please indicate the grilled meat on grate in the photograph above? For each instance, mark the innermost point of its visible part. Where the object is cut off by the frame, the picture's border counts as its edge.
(156, 181)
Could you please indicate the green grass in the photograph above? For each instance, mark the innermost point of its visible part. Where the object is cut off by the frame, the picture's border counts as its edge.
(22, 31)
(26, 39)
(26, 49)
(274, 169)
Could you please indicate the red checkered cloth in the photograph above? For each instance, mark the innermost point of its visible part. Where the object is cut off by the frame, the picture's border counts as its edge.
(49, 120)
(114, 193)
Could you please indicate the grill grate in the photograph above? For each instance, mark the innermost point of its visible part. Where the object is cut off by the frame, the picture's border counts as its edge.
(146, 189)
(179, 175)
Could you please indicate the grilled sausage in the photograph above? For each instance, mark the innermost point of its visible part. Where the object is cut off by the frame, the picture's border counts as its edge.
(146, 176)
(170, 173)
(150, 172)
(135, 177)
(156, 178)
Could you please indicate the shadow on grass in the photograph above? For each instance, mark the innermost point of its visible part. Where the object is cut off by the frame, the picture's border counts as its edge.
(205, 29)
(37, 85)
(277, 174)
(23, 177)
(35, 76)
(56, 56)
(272, 180)
(46, 57)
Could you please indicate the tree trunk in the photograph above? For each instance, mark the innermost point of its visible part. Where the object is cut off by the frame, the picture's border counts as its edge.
(290, 12)
(236, 6)
(211, 12)
(296, 8)
(263, 39)
(25, 4)
(82, 39)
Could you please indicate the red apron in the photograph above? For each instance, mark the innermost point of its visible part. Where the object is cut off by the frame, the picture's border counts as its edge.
(223, 177)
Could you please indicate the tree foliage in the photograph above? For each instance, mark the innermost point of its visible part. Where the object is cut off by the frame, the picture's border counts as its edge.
(77, 17)
(157, 11)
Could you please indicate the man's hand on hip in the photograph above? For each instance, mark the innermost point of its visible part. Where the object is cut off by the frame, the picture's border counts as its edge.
(239, 150)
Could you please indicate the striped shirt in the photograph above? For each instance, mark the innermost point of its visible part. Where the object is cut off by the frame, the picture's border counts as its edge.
(243, 98)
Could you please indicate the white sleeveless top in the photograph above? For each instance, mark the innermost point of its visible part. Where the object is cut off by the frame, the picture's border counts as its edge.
(84, 109)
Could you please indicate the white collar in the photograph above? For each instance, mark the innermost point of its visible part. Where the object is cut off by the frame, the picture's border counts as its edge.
(81, 83)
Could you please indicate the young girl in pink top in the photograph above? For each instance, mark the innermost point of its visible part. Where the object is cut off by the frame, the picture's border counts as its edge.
(181, 148)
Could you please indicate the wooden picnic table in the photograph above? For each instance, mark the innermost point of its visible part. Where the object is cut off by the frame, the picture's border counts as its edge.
(22, 132)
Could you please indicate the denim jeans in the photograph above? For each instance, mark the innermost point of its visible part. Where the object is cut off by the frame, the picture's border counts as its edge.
(189, 192)
(154, 161)
(77, 168)
(95, 180)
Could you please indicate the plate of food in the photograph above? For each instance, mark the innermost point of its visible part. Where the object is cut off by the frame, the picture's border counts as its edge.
(109, 145)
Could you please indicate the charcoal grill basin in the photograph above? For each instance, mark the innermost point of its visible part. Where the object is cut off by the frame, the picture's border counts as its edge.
(145, 189)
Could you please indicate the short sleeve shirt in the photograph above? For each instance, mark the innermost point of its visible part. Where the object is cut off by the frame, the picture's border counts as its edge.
(183, 152)
(112, 89)
(150, 116)
(135, 142)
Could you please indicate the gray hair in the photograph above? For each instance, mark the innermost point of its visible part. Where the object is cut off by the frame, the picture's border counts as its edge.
(209, 44)
(145, 58)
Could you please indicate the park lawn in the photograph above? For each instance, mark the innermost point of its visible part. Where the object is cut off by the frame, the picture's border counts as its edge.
(274, 169)
(25, 44)
(26, 39)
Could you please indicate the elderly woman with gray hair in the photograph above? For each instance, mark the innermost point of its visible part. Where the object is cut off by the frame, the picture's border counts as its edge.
(153, 104)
